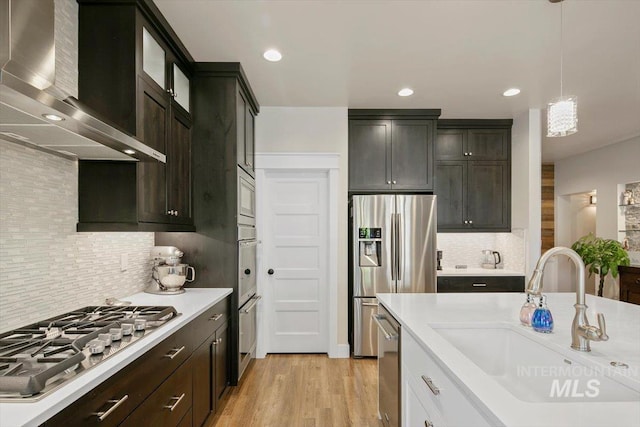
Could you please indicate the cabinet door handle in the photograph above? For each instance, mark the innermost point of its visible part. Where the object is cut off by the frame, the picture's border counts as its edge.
(428, 423)
(435, 390)
(479, 285)
(174, 352)
(470, 222)
(466, 222)
(637, 281)
(216, 342)
(393, 182)
(177, 399)
(466, 154)
(216, 317)
(388, 182)
(470, 153)
(116, 403)
(170, 92)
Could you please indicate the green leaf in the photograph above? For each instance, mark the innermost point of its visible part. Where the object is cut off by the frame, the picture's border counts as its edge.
(601, 256)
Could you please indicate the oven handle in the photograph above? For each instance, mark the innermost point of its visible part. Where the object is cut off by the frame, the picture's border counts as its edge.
(255, 301)
(389, 336)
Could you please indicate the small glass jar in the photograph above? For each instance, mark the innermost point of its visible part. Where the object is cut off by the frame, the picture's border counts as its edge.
(542, 320)
(527, 311)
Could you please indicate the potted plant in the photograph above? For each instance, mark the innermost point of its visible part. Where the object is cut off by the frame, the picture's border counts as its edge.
(601, 256)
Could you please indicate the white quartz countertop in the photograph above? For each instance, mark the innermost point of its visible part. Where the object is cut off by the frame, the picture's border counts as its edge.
(417, 311)
(190, 305)
(478, 272)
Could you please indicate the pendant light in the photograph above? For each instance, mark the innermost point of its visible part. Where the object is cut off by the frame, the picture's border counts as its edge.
(562, 112)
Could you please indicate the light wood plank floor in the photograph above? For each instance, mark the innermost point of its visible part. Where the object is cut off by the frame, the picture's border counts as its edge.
(304, 390)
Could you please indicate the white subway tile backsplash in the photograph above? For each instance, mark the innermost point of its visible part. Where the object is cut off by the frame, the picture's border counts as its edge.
(46, 267)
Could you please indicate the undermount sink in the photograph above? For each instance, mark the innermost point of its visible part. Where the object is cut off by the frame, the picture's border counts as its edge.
(531, 371)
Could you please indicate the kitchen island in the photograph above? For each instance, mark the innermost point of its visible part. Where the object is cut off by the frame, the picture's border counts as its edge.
(191, 304)
(460, 347)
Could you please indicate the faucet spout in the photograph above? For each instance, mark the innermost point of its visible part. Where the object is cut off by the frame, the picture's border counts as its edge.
(581, 331)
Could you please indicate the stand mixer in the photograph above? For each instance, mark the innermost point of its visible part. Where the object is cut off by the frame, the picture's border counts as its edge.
(168, 275)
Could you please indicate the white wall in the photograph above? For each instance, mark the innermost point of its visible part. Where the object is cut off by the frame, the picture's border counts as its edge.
(601, 170)
(314, 130)
(526, 179)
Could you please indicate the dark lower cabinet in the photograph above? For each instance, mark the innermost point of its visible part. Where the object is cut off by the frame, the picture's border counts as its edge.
(168, 404)
(210, 375)
(630, 284)
(179, 382)
(447, 284)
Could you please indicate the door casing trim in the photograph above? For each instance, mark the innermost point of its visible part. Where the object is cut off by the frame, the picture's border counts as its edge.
(316, 162)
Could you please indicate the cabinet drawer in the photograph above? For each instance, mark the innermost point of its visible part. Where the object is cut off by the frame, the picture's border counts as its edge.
(415, 414)
(117, 397)
(480, 284)
(443, 401)
(168, 404)
(206, 324)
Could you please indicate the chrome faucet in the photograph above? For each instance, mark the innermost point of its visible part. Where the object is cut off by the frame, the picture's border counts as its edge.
(581, 331)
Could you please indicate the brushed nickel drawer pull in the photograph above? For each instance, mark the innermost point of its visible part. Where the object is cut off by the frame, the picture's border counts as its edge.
(215, 317)
(177, 399)
(435, 390)
(479, 285)
(102, 415)
(176, 351)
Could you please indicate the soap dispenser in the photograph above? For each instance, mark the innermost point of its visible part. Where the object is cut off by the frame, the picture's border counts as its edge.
(541, 320)
(527, 311)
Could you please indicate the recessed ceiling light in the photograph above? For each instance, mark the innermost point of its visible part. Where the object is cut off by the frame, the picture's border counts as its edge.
(405, 92)
(272, 55)
(511, 92)
(129, 151)
(53, 117)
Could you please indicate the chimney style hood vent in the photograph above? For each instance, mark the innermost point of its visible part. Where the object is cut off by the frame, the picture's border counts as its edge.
(31, 106)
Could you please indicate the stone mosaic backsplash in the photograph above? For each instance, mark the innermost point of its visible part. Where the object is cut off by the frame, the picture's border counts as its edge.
(466, 248)
(46, 267)
(632, 218)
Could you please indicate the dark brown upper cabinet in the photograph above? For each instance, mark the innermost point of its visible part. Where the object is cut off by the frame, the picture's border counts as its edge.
(473, 175)
(391, 150)
(135, 72)
(245, 122)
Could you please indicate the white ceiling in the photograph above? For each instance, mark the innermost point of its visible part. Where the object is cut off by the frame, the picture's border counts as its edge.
(457, 55)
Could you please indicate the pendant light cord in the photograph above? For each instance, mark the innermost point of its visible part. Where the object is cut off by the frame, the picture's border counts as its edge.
(561, 47)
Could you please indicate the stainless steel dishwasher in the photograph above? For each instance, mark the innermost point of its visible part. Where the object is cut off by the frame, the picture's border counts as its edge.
(388, 367)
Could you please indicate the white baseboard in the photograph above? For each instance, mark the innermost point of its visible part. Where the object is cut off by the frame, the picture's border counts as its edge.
(341, 351)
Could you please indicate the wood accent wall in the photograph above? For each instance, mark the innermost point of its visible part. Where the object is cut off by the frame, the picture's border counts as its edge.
(548, 206)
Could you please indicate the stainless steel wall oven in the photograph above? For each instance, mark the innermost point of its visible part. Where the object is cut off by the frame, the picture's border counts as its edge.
(247, 298)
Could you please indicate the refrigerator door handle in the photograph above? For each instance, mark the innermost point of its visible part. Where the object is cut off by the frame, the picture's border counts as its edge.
(393, 247)
(399, 247)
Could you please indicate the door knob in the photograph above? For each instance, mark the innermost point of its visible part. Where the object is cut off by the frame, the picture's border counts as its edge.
(247, 272)
(270, 271)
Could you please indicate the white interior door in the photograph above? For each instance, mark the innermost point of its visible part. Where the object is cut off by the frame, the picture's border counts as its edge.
(295, 247)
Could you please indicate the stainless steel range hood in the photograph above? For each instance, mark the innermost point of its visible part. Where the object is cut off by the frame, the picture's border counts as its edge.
(30, 102)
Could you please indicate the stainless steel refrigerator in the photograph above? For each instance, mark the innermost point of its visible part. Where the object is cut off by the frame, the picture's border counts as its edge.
(394, 250)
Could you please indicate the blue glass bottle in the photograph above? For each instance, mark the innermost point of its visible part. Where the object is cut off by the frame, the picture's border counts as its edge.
(542, 321)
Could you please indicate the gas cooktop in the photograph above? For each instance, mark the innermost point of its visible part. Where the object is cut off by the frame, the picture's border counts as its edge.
(38, 358)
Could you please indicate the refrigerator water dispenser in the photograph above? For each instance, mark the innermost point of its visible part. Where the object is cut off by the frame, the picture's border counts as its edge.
(370, 253)
(370, 247)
